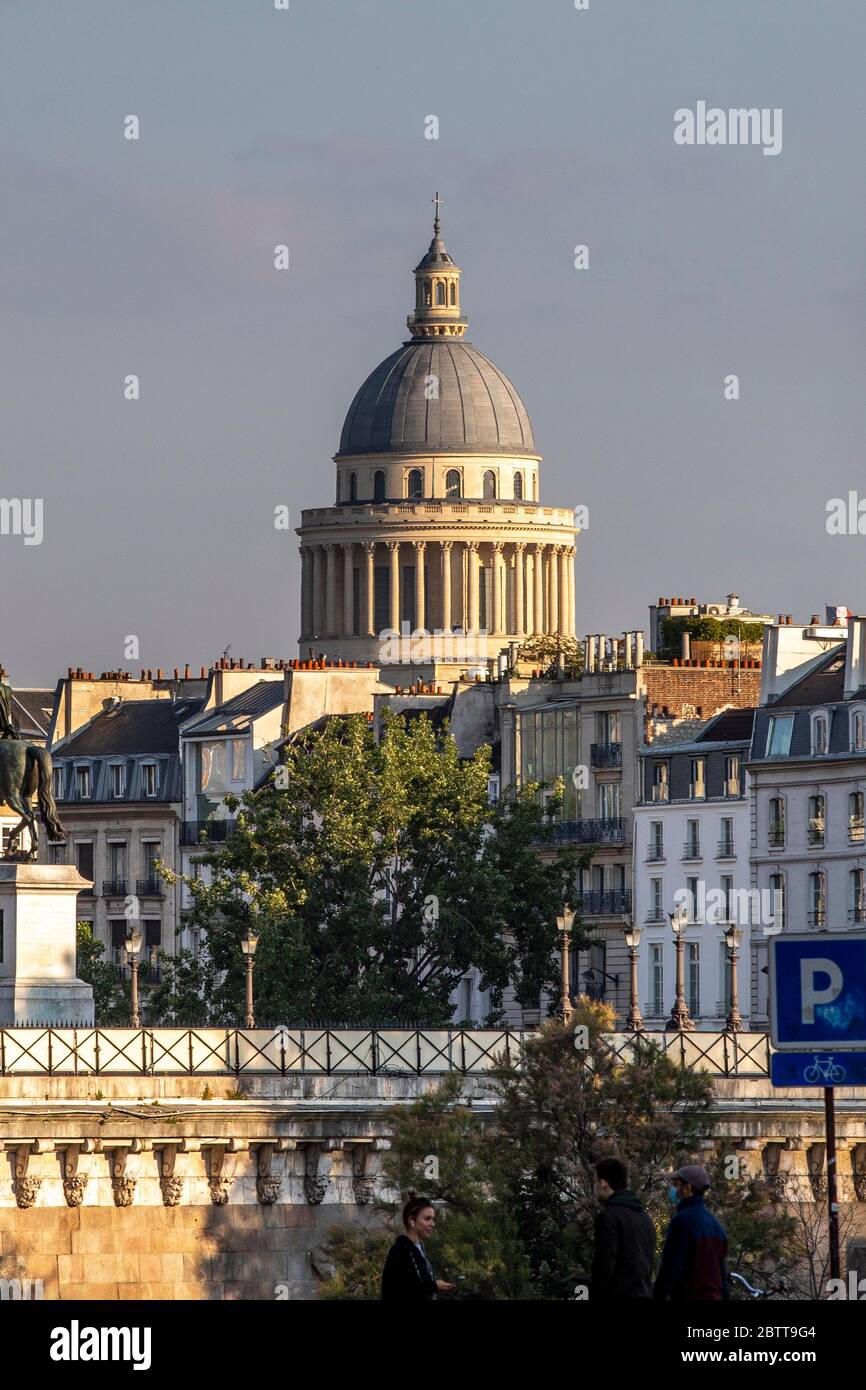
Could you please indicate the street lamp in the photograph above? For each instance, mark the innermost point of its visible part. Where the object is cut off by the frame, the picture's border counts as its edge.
(564, 922)
(632, 941)
(133, 946)
(733, 937)
(249, 942)
(680, 1020)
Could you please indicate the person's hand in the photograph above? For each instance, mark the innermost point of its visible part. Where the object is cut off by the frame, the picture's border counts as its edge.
(443, 1287)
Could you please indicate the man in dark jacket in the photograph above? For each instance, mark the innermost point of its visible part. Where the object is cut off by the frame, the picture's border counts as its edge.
(625, 1239)
(693, 1267)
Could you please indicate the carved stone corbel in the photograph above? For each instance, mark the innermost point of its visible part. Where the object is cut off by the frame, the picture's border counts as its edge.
(267, 1181)
(219, 1178)
(170, 1181)
(26, 1187)
(74, 1183)
(362, 1182)
(315, 1183)
(122, 1185)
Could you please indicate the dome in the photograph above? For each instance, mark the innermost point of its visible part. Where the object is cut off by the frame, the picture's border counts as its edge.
(477, 410)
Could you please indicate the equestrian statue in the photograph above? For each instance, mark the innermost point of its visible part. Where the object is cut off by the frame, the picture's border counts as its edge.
(25, 768)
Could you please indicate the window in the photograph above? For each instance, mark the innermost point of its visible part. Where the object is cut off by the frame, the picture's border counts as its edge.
(726, 842)
(656, 848)
(818, 899)
(855, 818)
(452, 483)
(656, 908)
(697, 785)
(607, 727)
(353, 487)
(239, 759)
(732, 774)
(693, 843)
(692, 901)
(856, 896)
(820, 733)
(149, 778)
(518, 487)
(84, 859)
(778, 903)
(415, 487)
(815, 833)
(725, 977)
(57, 853)
(453, 292)
(660, 782)
(779, 735)
(488, 484)
(82, 782)
(857, 730)
(116, 779)
(378, 486)
(657, 979)
(117, 865)
(150, 853)
(693, 978)
(776, 832)
(440, 292)
(428, 294)
(118, 940)
(726, 888)
(57, 776)
(610, 801)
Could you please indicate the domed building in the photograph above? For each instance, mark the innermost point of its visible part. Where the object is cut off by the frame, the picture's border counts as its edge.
(438, 524)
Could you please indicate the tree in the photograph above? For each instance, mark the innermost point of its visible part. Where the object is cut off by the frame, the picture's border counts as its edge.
(377, 875)
(110, 995)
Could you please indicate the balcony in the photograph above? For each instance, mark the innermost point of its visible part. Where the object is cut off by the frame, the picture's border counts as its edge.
(691, 849)
(655, 914)
(605, 755)
(215, 832)
(776, 838)
(726, 850)
(655, 854)
(818, 917)
(604, 902)
(591, 832)
(857, 914)
(660, 791)
(114, 887)
(150, 888)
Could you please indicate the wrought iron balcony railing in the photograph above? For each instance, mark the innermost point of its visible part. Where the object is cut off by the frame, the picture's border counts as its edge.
(725, 850)
(605, 754)
(592, 832)
(655, 853)
(114, 887)
(600, 902)
(692, 849)
(776, 838)
(150, 887)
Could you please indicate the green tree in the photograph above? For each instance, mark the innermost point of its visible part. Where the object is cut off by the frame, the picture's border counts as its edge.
(377, 874)
(110, 994)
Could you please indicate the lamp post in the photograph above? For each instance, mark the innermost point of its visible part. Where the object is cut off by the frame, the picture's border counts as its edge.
(634, 1021)
(680, 1020)
(249, 942)
(733, 937)
(133, 947)
(564, 922)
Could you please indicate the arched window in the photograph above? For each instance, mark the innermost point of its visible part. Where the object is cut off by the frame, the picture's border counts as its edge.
(818, 899)
(440, 292)
(777, 901)
(488, 488)
(452, 483)
(416, 483)
(378, 486)
(776, 826)
(817, 820)
(820, 733)
(534, 488)
(453, 291)
(518, 486)
(427, 293)
(353, 487)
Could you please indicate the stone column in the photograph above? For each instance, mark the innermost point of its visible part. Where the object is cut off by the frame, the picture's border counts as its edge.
(472, 565)
(317, 591)
(563, 589)
(519, 621)
(370, 586)
(496, 587)
(331, 590)
(445, 551)
(552, 589)
(394, 588)
(420, 596)
(529, 566)
(348, 590)
(306, 590)
(571, 598)
(538, 586)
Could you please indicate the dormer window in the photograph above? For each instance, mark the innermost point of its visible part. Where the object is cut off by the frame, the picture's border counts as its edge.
(116, 780)
(779, 735)
(820, 733)
(57, 777)
(857, 730)
(149, 779)
(82, 782)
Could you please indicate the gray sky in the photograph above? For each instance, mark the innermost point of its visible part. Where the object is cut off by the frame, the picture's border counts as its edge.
(259, 127)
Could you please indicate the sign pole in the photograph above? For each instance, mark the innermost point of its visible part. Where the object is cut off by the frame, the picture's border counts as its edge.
(832, 1204)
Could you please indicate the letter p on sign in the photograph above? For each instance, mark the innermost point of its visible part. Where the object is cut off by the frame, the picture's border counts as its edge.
(811, 970)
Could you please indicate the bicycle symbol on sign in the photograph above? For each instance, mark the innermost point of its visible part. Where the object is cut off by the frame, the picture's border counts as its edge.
(824, 1069)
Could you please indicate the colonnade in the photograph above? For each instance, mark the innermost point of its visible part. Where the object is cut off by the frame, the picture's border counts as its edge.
(510, 588)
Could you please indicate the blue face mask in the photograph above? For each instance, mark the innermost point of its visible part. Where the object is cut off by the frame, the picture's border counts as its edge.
(673, 1193)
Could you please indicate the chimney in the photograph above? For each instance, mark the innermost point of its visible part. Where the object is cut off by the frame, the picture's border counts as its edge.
(687, 646)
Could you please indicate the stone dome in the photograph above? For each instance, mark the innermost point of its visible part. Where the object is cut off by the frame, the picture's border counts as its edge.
(476, 410)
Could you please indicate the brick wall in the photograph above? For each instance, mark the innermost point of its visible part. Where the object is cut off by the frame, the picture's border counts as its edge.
(699, 692)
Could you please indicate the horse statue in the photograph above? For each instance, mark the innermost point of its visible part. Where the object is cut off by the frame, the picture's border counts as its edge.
(25, 768)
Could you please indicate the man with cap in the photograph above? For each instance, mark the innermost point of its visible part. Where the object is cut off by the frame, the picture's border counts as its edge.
(693, 1260)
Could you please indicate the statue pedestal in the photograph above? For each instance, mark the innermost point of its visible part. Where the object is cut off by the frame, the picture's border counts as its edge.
(37, 947)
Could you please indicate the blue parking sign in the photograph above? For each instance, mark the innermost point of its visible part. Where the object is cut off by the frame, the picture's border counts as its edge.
(818, 992)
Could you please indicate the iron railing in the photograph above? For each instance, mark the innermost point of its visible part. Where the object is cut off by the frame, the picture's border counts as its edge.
(725, 850)
(600, 901)
(114, 887)
(150, 888)
(605, 754)
(39, 1051)
(591, 832)
(692, 849)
